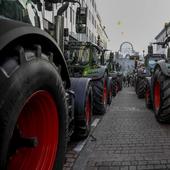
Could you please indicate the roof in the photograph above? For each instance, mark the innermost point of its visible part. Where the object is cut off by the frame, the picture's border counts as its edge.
(162, 31)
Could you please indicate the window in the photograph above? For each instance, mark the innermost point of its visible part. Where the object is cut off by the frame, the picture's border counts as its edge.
(70, 14)
(73, 15)
(66, 13)
(93, 3)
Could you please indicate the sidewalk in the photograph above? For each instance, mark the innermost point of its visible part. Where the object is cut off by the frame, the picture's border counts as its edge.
(128, 138)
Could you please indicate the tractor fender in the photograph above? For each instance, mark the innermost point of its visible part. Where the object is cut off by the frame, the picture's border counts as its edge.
(80, 87)
(13, 33)
(148, 79)
(150, 84)
(164, 67)
(100, 73)
(109, 81)
(113, 75)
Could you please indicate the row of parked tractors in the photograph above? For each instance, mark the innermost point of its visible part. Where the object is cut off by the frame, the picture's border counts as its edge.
(152, 82)
(49, 89)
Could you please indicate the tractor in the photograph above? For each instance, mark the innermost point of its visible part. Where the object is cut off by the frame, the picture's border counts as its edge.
(158, 84)
(41, 106)
(146, 70)
(107, 59)
(83, 61)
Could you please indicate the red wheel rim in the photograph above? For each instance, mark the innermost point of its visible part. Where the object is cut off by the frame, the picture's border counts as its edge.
(147, 95)
(88, 110)
(105, 93)
(157, 98)
(38, 118)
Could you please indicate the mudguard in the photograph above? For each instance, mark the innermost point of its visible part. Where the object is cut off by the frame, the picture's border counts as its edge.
(113, 75)
(150, 84)
(96, 73)
(149, 80)
(164, 66)
(109, 80)
(80, 86)
(14, 33)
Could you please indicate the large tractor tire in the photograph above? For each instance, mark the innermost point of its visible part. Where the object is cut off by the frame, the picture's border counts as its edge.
(161, 97)
(100, 96)
(109, 90)
(114, 87)
(141, 87)
(83, 106)
(33, 112)
(119, 83)
(135, 83)
(148, 97)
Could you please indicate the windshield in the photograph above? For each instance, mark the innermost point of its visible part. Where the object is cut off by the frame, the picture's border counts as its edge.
(13, 9)
(152, 61)
(78, 55)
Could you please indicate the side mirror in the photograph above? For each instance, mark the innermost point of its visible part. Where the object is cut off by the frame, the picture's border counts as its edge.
(81, 20)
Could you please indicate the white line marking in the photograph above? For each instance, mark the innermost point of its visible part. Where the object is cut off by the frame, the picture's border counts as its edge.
(95, 122)
(80, 146)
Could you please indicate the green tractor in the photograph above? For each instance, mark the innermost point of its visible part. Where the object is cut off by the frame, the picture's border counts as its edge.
(107, 59)
(83, 61)
(158, 86)
(146, 71)
(41, 106)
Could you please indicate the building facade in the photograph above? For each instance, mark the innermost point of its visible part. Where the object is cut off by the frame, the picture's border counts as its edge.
(161, 38)
(95, 31)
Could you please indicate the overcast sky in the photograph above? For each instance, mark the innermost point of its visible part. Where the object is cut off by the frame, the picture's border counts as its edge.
(136, 21)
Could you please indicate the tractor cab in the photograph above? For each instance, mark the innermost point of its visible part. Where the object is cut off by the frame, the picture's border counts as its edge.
(14, 9)
(151, 59)
(83, 58)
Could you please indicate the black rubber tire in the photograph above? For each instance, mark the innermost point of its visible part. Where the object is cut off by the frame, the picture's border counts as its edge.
(83, 128)
(148, 98)
(109, 90)
(19, 80)
(141, 87)
(120, 83)
(114, 85)
(99, 107)
(163, 113)
(135, 83)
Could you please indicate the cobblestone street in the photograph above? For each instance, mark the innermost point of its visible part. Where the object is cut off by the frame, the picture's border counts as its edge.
(127, 138)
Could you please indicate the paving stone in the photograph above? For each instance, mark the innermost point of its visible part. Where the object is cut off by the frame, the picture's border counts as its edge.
(124, 168)
(128, 137)
(132, 168)
(103, 168)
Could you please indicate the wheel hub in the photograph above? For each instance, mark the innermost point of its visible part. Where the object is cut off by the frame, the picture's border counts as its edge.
(35, 139)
